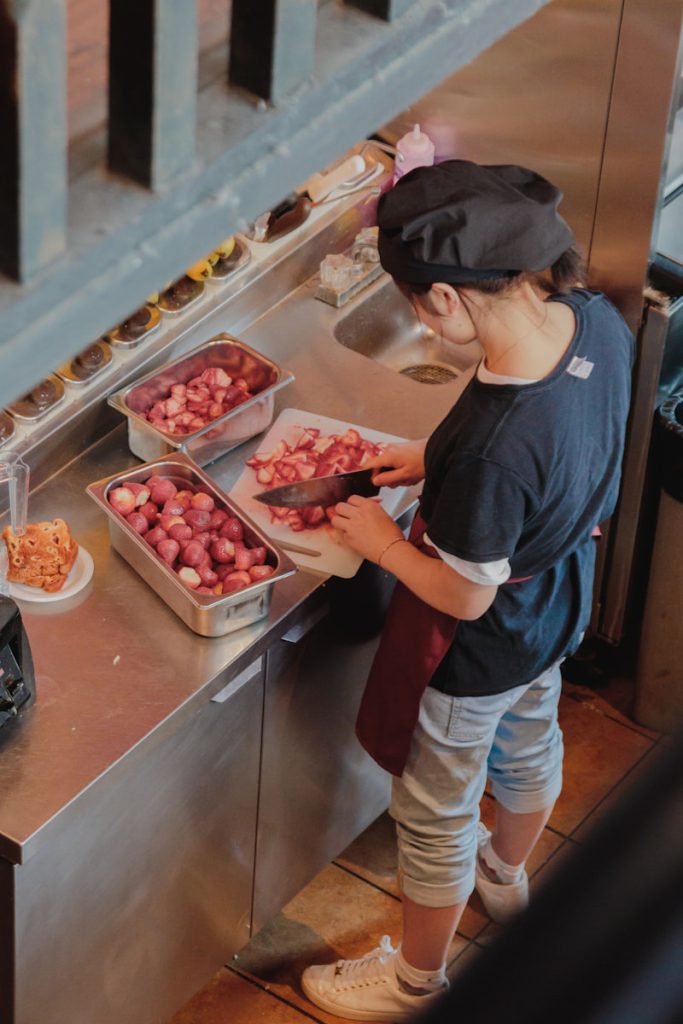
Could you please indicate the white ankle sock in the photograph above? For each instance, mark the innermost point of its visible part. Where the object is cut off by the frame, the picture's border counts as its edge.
(507, 874)
(419, 981)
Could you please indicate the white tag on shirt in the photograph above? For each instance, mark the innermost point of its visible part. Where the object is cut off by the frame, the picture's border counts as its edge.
(580, 367)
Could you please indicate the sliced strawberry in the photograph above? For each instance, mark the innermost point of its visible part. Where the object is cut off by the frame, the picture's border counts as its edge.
(356, 455)
(323, 444)
(259, 555)
(261, 572)
(244, 558)
(313, 515)
(294, 457)
(351, 438)
(305, 471)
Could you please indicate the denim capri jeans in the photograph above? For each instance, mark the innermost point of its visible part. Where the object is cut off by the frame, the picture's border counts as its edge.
(514, 738)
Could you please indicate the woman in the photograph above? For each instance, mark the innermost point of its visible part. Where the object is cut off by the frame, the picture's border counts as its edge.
(495, 583)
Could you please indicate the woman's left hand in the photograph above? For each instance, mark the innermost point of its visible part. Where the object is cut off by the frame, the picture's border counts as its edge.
(366, 526)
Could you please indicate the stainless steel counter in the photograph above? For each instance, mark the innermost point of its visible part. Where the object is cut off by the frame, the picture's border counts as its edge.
(168, 793)
(114, 664)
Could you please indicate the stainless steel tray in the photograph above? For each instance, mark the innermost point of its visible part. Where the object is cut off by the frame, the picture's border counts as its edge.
(75, 375)
(238, 260)
(165, 303)
(116, 337)
(203, 613)
(222, 434)
(25, 410)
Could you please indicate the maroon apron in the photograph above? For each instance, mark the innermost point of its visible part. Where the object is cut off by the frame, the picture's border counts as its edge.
(415, 640)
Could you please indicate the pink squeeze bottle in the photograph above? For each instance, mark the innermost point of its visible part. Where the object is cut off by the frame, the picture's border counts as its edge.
(414, 149)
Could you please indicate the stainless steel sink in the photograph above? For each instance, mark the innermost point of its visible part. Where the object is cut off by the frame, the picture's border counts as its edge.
(384, 326)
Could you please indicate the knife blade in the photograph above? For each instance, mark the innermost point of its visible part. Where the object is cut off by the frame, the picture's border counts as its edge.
(321, 490)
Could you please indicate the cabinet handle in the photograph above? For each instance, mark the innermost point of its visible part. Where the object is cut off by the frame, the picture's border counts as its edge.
(240, 680)
(302, 628)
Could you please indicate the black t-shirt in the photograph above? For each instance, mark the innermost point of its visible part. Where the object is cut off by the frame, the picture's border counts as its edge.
(525, 472)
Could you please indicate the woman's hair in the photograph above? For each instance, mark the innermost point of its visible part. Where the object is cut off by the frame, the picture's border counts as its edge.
(566, 272)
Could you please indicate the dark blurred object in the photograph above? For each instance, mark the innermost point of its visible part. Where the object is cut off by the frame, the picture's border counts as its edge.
(359, 605)
(17, 680)
(602, 941)
(593, 665)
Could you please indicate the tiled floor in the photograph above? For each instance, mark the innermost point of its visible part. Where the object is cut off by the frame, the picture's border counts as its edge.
(353, 902)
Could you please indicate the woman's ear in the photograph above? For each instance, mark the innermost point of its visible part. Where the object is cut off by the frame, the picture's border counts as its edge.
(445, 300)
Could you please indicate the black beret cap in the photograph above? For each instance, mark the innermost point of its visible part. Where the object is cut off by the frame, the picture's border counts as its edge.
(459, 221)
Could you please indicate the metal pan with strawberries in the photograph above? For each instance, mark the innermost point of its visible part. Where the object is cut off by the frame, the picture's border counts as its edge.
(205, 403)
(207, 560)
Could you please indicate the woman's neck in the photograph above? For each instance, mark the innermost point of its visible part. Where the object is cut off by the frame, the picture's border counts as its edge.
(523, 335)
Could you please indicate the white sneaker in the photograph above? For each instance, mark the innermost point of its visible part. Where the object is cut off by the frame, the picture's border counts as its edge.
(501, 901)
(364, 989)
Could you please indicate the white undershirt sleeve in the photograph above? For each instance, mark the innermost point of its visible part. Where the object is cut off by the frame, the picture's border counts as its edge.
(488, 574)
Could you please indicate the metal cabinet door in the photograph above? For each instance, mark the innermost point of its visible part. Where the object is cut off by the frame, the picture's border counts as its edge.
(144, 890)
(319, 789)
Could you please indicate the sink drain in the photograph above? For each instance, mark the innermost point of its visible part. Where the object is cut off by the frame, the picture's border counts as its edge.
(429, 373)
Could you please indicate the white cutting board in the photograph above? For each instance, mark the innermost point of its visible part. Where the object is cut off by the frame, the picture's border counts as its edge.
(324, 551)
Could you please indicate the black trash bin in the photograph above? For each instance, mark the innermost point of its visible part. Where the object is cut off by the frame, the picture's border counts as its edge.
(659, 689)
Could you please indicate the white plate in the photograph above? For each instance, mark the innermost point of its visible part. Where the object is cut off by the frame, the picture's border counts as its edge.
(78, 578)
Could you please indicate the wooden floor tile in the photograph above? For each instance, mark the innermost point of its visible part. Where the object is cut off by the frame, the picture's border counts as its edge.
(373, 855)
(231, 999)
(598, 753)
(615, 700)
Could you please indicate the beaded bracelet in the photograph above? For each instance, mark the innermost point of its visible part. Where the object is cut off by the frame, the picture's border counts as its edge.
(391, 543)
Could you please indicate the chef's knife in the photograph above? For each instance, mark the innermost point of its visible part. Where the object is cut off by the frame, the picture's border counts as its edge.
(321, 490)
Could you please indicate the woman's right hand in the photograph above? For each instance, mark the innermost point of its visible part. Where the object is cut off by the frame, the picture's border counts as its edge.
(399, 464)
